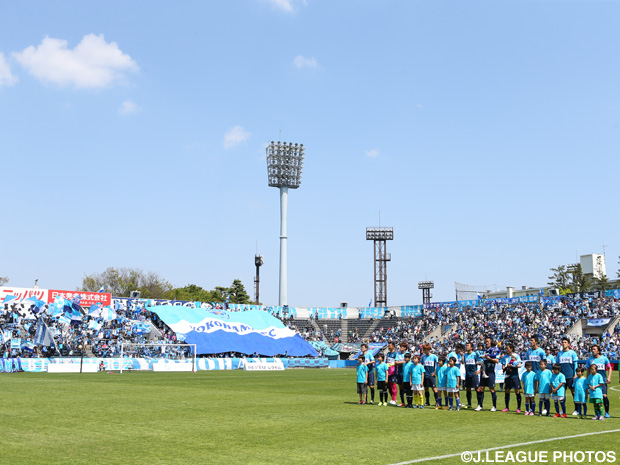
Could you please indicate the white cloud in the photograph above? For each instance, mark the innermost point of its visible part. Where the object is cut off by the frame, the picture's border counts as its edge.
(372, 153)
(303, 62)
(235, 136)
(286, 5)
(128, 107)
(6, 77)
(93, 63)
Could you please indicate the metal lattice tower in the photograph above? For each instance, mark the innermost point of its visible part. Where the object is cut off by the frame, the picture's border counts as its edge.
(426, 287)
(258, 261)
(379, 236)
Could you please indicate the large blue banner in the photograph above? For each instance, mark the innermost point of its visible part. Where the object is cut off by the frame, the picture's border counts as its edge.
(219, 331)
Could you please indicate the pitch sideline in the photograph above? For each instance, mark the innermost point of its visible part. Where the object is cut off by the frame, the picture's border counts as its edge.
(509, 446)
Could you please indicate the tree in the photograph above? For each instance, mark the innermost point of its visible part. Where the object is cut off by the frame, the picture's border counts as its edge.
(121, 281)
(237, 292)
(3, 280)
(191, 292)
(560, 278)
(579, 281)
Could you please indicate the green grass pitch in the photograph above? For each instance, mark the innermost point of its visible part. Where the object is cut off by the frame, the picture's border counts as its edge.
(306, 416)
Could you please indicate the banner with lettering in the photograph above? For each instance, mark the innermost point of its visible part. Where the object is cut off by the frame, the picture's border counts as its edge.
(219, 331)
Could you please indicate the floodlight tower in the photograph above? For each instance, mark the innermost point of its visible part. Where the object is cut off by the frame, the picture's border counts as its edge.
(258, 261)
(426, 287)
(284, 166)
(379, 235)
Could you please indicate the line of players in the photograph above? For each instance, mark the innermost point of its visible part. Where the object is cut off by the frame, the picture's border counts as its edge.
(415, 375)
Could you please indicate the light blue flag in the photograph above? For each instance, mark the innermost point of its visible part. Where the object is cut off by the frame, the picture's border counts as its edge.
(9, 299)
(43, 336)
(107, 313)
(102, 289)
(64, 319)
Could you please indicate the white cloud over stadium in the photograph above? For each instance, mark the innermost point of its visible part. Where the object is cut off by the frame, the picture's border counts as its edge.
(92, 64)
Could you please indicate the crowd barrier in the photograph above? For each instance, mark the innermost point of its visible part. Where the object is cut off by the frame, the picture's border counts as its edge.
(72, 364)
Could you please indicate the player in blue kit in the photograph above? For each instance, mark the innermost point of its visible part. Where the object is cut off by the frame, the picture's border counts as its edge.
(471, 360)
(453, 378)
(399, 363)
(604, 368)
(382, 370)
(567, 358)
(558, 383)
(511, 373)
(535, 354)
(543, 387)
(549, 357)
(487, 379)
(528, 378)
(369, 360)
(429, 361)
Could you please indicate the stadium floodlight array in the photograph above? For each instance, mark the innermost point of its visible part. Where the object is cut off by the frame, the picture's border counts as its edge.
(284, 167)
(284, 164)
(159, 351)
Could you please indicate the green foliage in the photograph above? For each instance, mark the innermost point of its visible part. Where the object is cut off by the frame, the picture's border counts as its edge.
(238, 295)
(579, 281)
(560, 279)
(569, 280)
(192, 292)
(121, 281)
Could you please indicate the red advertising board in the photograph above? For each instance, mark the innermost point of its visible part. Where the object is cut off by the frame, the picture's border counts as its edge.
(88, 298)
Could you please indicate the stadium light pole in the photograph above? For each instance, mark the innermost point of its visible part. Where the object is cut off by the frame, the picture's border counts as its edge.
(284, 167)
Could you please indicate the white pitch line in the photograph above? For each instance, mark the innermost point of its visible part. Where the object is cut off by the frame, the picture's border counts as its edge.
(614, 388)
(509, 446)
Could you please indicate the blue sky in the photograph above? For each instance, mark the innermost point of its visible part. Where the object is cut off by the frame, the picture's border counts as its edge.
(134, 133)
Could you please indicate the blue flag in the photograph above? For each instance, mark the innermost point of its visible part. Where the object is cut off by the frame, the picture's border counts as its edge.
(43, 336)
(102, 289)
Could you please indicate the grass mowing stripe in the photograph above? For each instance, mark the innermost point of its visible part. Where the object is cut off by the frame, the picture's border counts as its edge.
(509, 446)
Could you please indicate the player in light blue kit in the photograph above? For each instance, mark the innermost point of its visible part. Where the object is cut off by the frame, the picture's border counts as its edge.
(581, 393)
(528, 378)
(382, 370)
(417, 382)
(595, 383)
(535, 354)
(604, 368)
(558, 383)
(442, 368)
(453, 378)
(543, 387)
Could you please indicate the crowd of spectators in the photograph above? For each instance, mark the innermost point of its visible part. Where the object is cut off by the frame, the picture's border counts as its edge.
(503, 322)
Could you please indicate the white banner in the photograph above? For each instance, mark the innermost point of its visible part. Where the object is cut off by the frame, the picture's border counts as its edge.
(260, 365)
